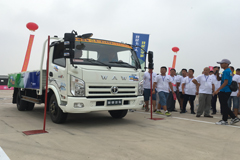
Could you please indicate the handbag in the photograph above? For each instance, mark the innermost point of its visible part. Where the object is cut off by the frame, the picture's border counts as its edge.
(233, 86)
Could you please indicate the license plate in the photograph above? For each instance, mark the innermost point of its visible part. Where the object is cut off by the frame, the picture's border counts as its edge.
(114, 102)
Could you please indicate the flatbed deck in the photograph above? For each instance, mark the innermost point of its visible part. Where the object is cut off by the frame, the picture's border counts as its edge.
(28, 79)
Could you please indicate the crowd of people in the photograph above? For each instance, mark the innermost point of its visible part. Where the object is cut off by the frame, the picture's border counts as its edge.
(209, 86)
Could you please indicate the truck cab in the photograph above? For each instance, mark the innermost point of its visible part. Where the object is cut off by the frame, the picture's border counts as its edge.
(92, 75)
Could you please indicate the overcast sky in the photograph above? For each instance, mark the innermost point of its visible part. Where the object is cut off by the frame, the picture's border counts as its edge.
(206, 31)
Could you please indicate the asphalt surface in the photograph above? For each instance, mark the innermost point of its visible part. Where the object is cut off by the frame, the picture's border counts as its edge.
(98, 136)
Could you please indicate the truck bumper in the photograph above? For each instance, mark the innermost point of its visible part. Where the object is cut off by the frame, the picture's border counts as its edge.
(84, 105)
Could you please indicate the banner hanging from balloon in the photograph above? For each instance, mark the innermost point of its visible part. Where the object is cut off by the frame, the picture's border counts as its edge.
(169, 69)
(211, 68)
(32, 27)
(27, 56)
(174, 49)
(141, 40)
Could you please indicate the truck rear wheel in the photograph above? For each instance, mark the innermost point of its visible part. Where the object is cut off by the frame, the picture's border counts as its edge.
(56, 113)
(21, 104)
(30, 106)
(118, 113)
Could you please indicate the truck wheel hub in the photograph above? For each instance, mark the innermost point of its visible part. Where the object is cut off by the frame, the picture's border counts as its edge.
(53, 108)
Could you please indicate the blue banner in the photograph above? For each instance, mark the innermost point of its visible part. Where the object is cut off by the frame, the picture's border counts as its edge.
(142, 41)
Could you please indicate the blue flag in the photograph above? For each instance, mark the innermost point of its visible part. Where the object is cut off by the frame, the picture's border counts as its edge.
(142, 41)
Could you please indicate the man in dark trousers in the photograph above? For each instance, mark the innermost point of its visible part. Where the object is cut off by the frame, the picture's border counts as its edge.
(217, 84)
(179, 87)
(224, 93)
(189, 90)
(206, 88)
(170, 100)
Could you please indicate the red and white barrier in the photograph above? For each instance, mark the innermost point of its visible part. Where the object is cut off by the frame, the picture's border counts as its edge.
(5, 87)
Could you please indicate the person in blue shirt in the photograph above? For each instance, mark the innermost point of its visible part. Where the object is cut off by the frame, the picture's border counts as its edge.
(224, 93)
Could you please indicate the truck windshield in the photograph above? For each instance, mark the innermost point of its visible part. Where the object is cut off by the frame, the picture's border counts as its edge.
(101, 52)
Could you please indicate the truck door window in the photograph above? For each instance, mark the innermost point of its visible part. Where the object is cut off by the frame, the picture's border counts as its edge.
(58, 57)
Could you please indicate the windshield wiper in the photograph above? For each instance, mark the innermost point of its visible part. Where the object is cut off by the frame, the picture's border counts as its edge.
(93, 60)
(121, 62)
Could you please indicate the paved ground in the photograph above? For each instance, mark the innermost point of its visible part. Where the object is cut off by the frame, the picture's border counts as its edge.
(98, 136)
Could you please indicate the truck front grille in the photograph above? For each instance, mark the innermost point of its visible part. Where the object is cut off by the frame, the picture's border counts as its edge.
(106, 90)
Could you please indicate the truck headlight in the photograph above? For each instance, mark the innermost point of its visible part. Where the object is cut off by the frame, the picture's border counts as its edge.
(77, 87)
(140, 88)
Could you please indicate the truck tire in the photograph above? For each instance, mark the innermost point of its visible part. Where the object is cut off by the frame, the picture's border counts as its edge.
(21, 104)
(30, 106)
(56, 113)
(118, 113)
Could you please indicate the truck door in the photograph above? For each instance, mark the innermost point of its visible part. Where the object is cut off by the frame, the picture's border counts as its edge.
(58, 71)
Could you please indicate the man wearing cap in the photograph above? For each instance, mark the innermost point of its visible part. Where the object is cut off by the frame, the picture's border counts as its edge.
(224, 93)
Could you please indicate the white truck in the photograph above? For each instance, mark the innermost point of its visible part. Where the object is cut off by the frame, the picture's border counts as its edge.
(85, 75)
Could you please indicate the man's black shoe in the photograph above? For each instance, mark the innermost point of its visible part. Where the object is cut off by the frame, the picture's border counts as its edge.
(182, 112)
(193, 113)
(174, 110)
(213, 113)
(208, 116)
(198, 116)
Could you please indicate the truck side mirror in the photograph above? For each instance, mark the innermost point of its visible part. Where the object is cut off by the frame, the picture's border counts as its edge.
(68, 53)
(69, 45)
(150, 57)
(150, 60)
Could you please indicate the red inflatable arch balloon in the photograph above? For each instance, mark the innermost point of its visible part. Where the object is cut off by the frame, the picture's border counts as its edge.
(32, 26)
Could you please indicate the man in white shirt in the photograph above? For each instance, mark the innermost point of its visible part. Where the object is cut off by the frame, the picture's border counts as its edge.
(147, 92)
(171, 101)
(162, 83)
(238, 73)
(235, 95)
(206, 88)
(189, 90)
(217, 84)
(179, 88)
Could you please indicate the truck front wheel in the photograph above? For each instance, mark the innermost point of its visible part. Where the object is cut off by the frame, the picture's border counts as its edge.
(118, 113)
(56, 113)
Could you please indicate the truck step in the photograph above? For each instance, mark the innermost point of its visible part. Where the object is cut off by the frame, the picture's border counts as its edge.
(30, 99)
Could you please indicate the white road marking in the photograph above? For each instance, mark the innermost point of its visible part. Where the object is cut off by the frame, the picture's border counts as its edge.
(187, 119)
(3, 155)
